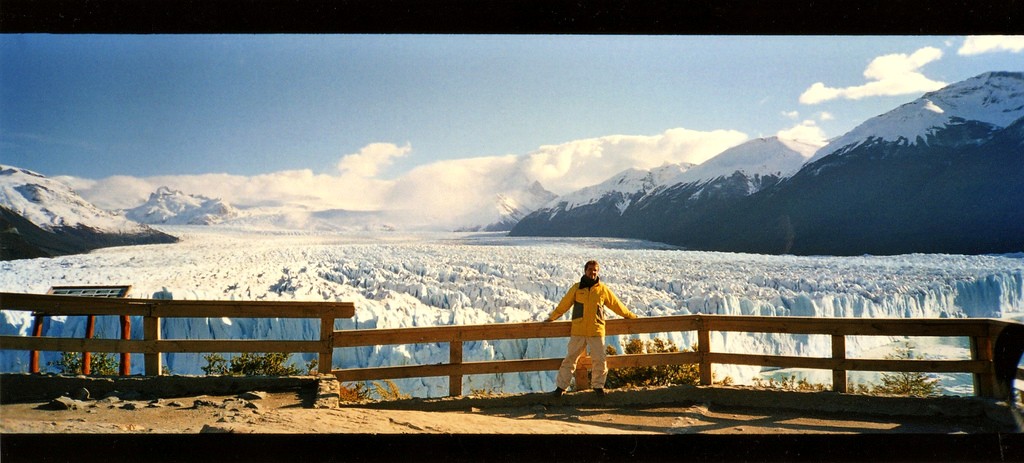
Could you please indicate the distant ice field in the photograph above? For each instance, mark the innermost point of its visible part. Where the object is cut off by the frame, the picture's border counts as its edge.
(424, 279)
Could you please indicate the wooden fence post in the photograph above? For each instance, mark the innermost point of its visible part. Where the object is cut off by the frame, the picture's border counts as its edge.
(839, 383)
(455, 358)
(704, 351)
(90, 331)
(151, 334)
(37, 331)
(981, 349)
(325, 364)
(126, 334)
(582, 375)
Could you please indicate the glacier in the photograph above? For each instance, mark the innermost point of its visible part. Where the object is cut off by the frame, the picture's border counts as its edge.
(427, 279)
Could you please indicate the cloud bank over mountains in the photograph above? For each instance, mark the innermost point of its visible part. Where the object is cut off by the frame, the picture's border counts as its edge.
(441, 189)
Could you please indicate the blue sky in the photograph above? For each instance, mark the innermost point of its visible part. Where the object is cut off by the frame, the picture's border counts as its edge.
(142, 106)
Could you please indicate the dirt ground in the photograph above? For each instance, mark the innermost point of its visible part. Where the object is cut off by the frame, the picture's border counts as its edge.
(575, 413)
(307, 423)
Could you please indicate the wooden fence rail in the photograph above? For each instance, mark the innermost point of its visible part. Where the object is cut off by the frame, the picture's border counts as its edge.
(994, 343)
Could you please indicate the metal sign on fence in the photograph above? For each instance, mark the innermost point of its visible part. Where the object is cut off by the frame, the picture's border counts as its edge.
(91, 291)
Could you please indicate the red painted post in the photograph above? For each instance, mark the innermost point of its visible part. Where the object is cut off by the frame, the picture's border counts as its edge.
(126, 334)
(37, 331)
(90, 330)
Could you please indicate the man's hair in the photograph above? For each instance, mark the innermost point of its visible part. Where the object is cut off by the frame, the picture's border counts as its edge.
(588, 264)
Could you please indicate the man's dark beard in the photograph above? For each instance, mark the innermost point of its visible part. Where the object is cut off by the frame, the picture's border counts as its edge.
(586, 282)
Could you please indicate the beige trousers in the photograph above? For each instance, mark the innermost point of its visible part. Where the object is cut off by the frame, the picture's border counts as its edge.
(577, 346)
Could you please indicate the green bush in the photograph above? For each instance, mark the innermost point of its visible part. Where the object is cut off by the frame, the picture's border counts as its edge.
(909, 383)
(660, 375)
(70, 363)
(790, 384)
(249, 364)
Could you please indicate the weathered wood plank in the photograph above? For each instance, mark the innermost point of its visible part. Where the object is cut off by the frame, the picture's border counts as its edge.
(79, 305)
(704, 356)
(152, 347)
(253, 309)
(466, 368)
(848, 326)
(325, 361)
(651, 360)
(839, 380)
(51, 344)
(429, 334)
(151, 333)
(818, 363)
(455, 358)
(235, 345)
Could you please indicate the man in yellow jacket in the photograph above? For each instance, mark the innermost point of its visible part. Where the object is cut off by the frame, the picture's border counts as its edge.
(588, 300)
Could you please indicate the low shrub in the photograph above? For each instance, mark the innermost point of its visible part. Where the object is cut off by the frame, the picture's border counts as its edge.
(660, 375)
(249, 364)
(70, 363)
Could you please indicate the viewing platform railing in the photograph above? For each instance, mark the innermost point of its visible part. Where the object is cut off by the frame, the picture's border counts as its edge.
(995, 345)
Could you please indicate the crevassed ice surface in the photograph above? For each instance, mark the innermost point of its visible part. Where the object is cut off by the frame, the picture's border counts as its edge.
(405, 280)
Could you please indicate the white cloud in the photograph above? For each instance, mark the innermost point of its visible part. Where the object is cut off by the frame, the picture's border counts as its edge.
(978, 44)
(791, 114)
(293, 187)
(806, 131)
(371, 159)
(573, 165)
(454, 193)
(441, 194)
(117, 192)
(888, 75)
(825, 116)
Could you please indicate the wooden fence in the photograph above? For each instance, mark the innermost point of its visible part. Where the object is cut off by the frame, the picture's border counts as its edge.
(994, 343)
(153, 311)
(981, 332)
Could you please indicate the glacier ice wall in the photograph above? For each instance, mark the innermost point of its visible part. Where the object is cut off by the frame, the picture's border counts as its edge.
(457, 279)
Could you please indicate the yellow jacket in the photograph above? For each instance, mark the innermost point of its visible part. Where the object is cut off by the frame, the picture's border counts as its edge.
(588, 306)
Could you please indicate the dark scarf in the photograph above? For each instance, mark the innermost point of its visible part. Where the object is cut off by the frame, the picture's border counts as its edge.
(586, 282)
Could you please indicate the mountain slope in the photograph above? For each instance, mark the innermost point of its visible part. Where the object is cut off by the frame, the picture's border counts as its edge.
(508, 208)
(886, 199)
(43, 217)
(994, 98)
(596, 210)
(633, 203)
(166, 206)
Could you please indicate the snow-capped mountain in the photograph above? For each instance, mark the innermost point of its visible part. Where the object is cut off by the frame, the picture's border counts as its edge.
(501, 211)
(772, 156)
(41, 216)
(512, 206)
(940, 174)
(600, 210)
(995, 99)
(172, 207)
(622, 188)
